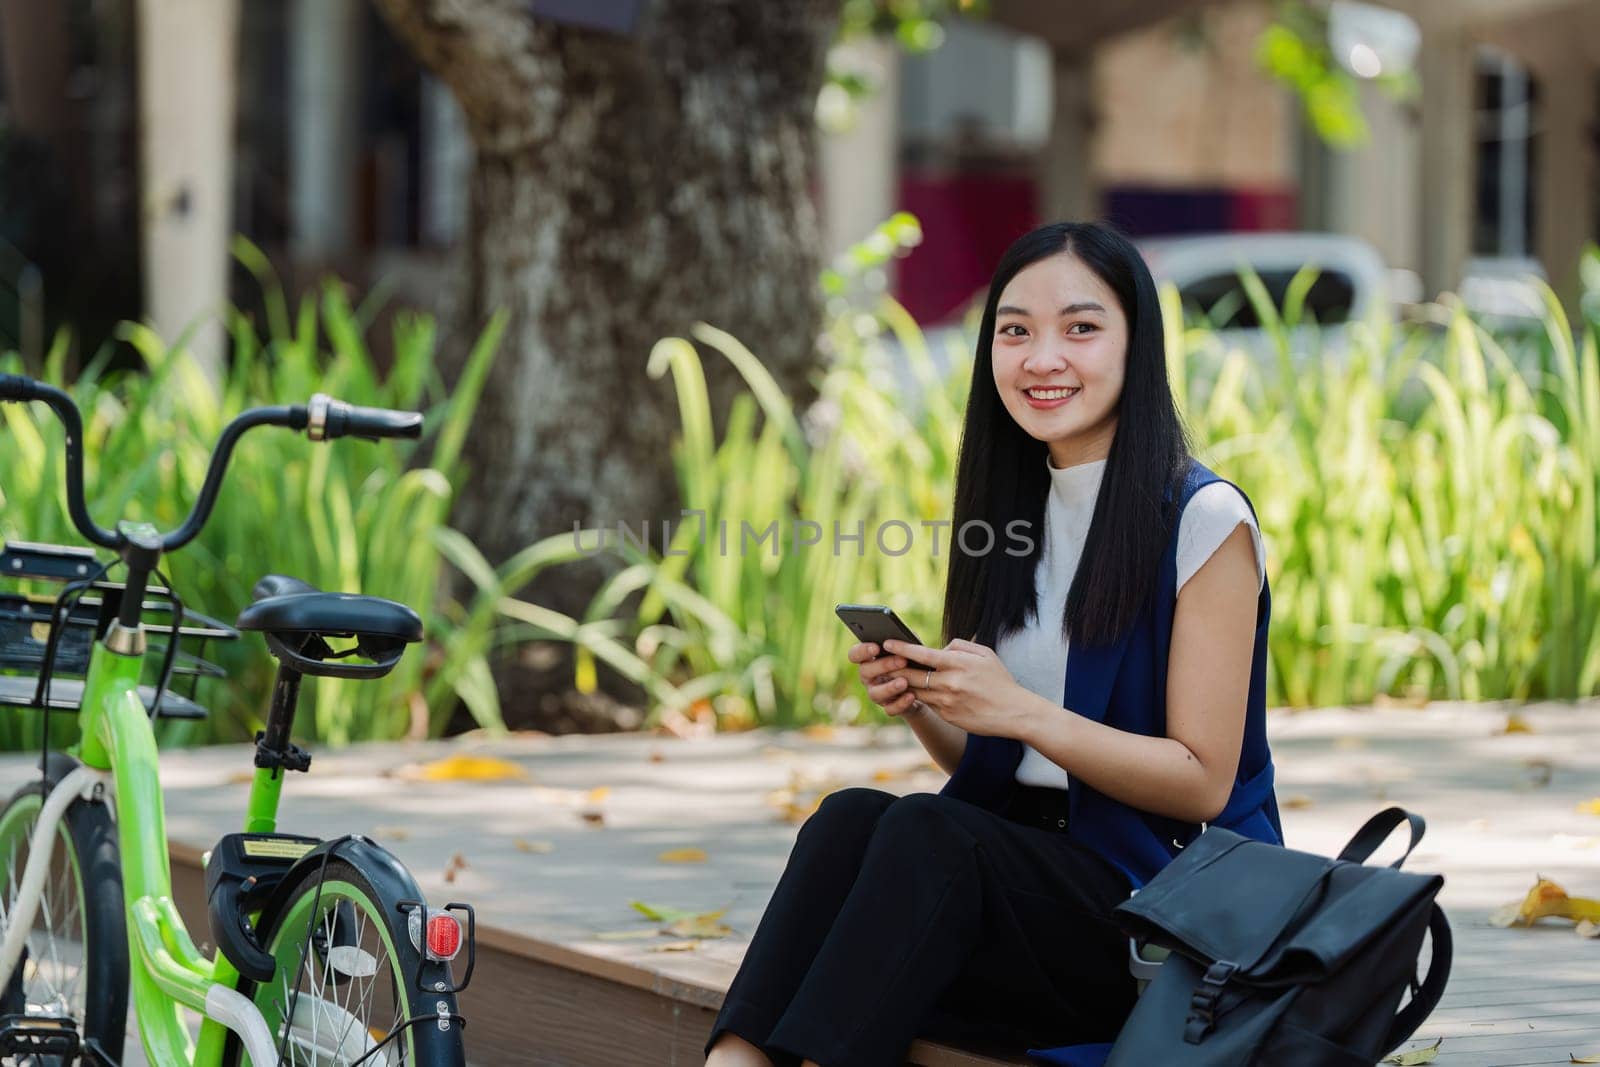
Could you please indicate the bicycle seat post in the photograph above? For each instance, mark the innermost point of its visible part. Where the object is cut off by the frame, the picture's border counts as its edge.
(275, 752)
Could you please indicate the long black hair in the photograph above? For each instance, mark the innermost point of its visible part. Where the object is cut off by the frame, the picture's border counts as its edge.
(1001, 474)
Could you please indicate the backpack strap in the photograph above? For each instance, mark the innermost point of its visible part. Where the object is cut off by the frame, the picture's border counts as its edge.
(1426, 997)
(1377, 830)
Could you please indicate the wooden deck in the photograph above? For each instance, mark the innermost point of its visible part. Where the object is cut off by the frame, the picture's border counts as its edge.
(547, 881)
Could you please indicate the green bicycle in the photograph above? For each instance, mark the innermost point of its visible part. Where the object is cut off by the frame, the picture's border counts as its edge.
(327, 952)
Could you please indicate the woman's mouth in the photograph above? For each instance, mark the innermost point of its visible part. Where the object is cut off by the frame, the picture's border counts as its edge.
(1045, 399)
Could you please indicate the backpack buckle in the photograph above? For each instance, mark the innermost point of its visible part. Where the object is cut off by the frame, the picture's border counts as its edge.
(1203, 1005)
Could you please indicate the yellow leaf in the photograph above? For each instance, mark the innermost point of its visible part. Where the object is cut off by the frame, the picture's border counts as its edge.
(532, 846)
(1516, 724)
(683, 855)
(1546, 900)
(463, 768)
(393, 833)
(674, 946)
(887, 774)
(1582, 1059)
(659, 913)
(1417, 1055)
(704, 925)
(1590, 807)
(1295, 801)
(598, 794)
(819, 732)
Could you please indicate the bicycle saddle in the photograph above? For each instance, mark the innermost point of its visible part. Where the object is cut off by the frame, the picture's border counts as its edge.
(296, 616)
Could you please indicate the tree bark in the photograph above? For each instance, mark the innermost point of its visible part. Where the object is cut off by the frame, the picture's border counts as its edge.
(624, 187)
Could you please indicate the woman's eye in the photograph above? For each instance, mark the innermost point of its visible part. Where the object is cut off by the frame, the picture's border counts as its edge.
(1088, 327)
(1006, 330)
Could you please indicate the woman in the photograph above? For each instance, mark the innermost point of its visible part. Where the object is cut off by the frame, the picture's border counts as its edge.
(1110, 701)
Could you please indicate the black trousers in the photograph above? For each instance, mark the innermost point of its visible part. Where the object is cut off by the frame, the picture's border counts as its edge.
(927, 916)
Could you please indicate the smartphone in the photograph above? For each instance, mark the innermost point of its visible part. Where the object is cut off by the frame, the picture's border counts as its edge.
(877, 623)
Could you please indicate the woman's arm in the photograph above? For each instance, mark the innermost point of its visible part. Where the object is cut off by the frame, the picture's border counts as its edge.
(1189, 773)
(944, 741)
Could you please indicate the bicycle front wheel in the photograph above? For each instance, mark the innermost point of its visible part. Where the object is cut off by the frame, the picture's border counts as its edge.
(346, 990)
(75, 963)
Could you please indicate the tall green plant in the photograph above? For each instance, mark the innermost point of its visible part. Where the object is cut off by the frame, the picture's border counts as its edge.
(350, 516)
(1428, 504)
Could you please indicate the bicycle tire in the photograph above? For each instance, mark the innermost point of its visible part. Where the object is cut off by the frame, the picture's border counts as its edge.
(85, 978)
(358, 911)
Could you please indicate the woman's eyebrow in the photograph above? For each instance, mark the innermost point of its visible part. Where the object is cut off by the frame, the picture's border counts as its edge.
(1070, 309)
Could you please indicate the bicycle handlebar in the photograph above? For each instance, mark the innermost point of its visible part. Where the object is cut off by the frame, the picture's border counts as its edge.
(324, 418)
(330, 418)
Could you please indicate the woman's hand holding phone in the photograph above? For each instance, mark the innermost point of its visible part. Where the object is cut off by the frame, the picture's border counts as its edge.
(891, 694)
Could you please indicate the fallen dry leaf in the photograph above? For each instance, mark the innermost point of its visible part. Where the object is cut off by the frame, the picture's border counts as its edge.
(1296, 801)
(1582, 1059)
(1416, 1056)
(656, 756)
(1349, 742)
(457, 864)
(1590, 807)
(598, 794)
(683, 855)
(682, 923)
(241, 778)
(820, 731)
(1546, 900)
(593, 818)
(532, 846)
(702, 926)
(462, 768)
(393, 833)
(659, 913)
(1588, 928)
(1516, 724)
(887, 774)
(674, 946)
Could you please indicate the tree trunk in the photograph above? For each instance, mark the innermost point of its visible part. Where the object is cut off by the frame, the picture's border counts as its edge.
(624, 188)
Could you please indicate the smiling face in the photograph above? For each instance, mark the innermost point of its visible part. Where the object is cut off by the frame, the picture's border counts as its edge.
(1060, 352)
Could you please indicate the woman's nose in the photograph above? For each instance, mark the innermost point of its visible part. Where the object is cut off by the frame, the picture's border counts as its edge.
(1047, 356)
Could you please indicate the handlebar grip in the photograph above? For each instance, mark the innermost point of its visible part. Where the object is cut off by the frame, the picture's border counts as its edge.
(328, 418)
(17, 387)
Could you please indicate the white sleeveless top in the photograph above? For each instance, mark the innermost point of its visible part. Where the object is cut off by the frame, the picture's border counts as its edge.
(1036, 655)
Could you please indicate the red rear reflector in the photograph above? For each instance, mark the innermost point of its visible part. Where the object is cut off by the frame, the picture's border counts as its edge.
(444, 936)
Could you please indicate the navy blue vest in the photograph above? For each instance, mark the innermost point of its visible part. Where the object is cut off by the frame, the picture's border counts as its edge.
(1124, 684)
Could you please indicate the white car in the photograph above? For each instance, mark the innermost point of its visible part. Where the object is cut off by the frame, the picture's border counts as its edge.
(1352, 281)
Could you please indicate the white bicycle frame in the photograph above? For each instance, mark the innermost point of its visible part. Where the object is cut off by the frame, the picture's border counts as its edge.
(226, 1006)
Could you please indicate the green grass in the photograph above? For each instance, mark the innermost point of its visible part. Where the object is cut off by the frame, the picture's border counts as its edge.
(1426, 494)
(349, 515)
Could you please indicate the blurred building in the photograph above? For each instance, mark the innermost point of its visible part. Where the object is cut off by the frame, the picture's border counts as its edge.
(326, 144)
(1156, 114)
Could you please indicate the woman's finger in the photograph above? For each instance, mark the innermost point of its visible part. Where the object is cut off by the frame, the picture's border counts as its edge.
(901, 704)
(884, 692)
(862, 652)
(881, 668)
(937, 658)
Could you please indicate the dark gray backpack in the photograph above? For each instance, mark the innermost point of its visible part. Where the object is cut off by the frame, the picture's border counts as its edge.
(1283, 957)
